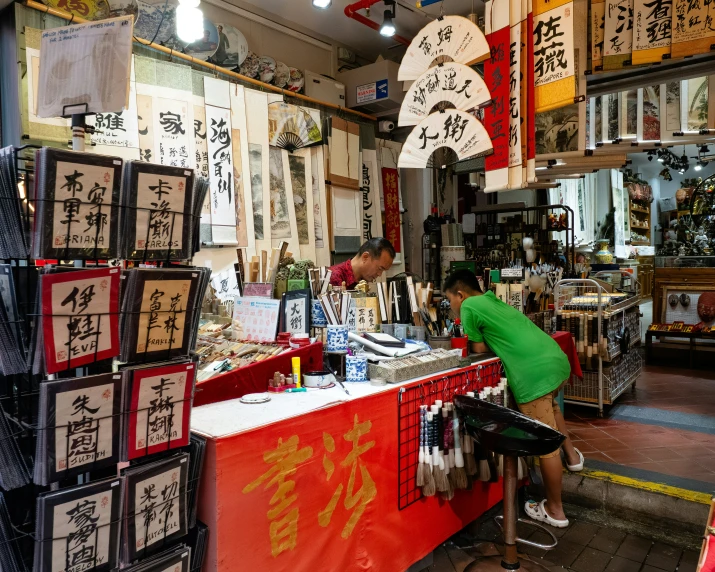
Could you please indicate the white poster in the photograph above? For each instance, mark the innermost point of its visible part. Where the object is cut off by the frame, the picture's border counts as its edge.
(516, 179)
(172, 131)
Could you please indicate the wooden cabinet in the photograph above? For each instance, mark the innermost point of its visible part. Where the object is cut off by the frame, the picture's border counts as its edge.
(639, 221)
(646, 275)
(687, 278)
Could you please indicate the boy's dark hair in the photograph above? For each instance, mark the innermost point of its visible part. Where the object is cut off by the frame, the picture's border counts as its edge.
(464, 280)
(375, 246)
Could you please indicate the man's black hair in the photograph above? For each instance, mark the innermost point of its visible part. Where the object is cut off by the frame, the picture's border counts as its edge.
(375, 247)
(462, 280)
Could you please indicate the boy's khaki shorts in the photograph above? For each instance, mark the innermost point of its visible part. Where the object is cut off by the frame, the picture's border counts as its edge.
(542, 409)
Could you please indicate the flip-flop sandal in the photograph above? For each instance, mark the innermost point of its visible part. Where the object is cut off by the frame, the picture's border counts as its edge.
(578, 466)
(536, 511)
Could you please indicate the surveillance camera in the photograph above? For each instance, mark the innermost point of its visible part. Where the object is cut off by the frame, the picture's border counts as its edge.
(386, 126)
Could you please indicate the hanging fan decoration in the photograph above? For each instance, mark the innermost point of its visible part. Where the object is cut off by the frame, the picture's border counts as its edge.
(456, 85)
(447, 39)
(291, 127)
(462, 133)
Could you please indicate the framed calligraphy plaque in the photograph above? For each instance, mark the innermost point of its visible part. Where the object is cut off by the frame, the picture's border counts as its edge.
(295, 312)
(80, 317)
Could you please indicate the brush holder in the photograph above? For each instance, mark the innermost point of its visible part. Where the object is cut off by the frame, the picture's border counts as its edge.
(355, 368)
(317, 314)
(337, 338)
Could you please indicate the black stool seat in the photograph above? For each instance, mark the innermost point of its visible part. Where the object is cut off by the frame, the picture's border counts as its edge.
(512, 435)
(504, 430)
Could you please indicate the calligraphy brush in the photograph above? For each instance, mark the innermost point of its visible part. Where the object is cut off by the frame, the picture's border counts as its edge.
(429, 488)
(421, 461)
(468, 449)
(440, 479)
(448, 444)
(460, 479)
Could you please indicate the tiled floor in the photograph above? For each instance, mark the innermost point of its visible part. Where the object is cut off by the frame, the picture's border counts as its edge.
(679, 447)
(583, 547)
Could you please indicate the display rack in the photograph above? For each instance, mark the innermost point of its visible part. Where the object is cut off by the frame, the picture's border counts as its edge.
(20, 393)
(613, 367)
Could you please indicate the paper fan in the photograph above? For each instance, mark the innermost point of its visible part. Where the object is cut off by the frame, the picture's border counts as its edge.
(456, 130)
(291, 127)
(448, 39)
(452, 83)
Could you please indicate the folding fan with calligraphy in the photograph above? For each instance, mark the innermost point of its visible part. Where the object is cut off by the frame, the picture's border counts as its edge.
(447, 85)
(447, 39)
(444, 138)
(291, 127)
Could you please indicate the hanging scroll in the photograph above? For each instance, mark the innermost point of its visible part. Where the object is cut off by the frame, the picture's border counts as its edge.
(388, 153)
(649, 114)
(530, 106)
(242, 184)
(669, 110)
(516, 175)
(344, 153)
(652, 25)
(618, 34)
(694, 104)
(223, 206)
(201, 154)
(598, 17)
(628, 114)
(496, 72)
(392, 207)
(554, 62)
(370, 185)
(693, 29)
(257, 123)
(320, 207)
(299, 166)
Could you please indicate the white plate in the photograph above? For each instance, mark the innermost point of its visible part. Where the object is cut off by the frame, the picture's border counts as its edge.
(254, 398)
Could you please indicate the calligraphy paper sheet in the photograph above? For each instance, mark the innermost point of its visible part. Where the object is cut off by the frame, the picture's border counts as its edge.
(554, 58)
(496, 72)
(80, 317)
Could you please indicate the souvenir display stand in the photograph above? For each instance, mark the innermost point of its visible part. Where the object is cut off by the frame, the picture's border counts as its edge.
(329, 479)
(605, 326)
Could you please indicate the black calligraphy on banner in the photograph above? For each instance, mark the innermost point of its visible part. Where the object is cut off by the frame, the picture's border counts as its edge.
(694, 20)
(160, 219)
(83, 206)
(218, 134)
(618, 28)
(653, 24)
(366, 203)
(172, 132)
(553, 45)
(157, 511)
(161, 323)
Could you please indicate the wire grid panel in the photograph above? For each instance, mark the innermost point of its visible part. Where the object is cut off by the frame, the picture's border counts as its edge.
(616, 379)
(444, 387)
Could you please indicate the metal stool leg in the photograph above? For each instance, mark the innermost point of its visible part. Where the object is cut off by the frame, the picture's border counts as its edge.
(510, 561)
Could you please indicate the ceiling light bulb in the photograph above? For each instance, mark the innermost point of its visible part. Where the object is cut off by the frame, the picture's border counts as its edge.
(388, 28)
(660, 159)
(189, 23)
(698, 166)
(322, 4)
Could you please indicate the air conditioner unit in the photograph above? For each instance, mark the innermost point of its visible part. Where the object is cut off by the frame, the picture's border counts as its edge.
(374, 89)
(325, 89)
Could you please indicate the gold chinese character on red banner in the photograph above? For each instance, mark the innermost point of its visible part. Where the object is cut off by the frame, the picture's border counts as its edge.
(356, 497)
(284, 459)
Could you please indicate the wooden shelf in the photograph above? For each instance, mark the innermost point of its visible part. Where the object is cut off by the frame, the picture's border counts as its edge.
(639, 243)
(639, 210)
(641, 226)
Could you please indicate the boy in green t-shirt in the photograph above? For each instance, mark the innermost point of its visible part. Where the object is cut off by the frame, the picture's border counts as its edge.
(535, 368)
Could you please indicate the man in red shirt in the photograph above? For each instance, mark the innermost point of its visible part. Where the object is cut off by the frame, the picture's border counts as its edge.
(373, 258)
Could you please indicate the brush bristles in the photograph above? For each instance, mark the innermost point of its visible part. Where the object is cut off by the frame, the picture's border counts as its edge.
(421, 474)
(500, 465)
(461, 481)
(429, 489)
(448, 493)
(485, 473)
(440, 479)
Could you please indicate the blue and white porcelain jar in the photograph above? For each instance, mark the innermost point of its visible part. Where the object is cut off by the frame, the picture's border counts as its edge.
(355, 368)
(337, 338)
(317, 315)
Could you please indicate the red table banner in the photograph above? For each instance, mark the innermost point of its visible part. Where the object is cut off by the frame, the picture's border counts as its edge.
(392, 206)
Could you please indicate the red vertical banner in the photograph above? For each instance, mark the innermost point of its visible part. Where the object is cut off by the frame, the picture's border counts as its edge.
(392, 207)
(530, 106)
(496, 76)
